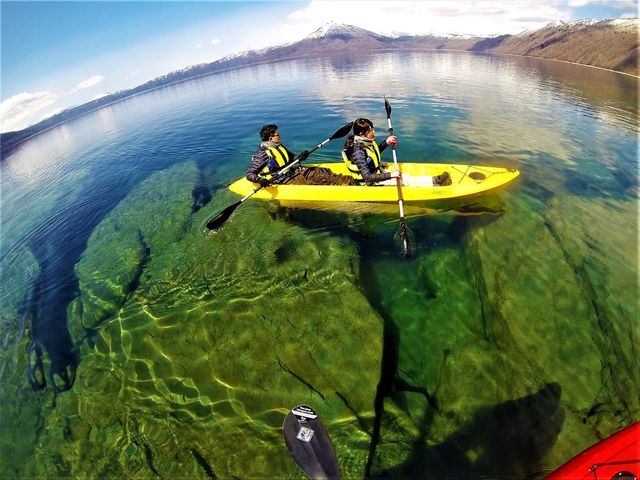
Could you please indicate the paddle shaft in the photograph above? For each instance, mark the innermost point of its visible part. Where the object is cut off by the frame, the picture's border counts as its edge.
(395, 165)
(403, 224)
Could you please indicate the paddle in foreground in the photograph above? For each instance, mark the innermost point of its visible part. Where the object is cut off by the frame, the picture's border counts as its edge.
(309, 444)
(403, 230)
(216, 222)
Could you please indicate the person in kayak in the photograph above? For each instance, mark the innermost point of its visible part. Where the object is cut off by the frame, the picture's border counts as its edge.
(272, 156)
(362, 156)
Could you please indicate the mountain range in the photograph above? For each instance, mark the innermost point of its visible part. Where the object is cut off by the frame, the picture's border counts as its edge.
(610, 44)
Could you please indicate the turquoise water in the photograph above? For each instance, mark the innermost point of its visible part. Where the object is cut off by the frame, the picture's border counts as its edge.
(136, 344)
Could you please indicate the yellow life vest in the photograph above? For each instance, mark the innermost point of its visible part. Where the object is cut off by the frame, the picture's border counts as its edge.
(281, 157)
(373, 155)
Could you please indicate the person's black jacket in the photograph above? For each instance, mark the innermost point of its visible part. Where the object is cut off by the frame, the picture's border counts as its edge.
(361, 160)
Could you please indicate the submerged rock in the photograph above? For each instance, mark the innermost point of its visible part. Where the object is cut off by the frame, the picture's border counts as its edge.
(22, 408)
(604, 262)
(537, 305)
(200, 343)
(452, 360)
(578, 326)
(505, 440)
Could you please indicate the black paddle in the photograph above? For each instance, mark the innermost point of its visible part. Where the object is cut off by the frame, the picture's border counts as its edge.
(217, 221)
(403, 231)
(309, 444)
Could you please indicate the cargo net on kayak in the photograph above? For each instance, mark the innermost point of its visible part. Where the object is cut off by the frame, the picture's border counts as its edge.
(478, 176)
(320, 176)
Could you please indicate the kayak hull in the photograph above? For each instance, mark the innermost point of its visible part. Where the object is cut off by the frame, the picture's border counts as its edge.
(614, 457)
(463, 186)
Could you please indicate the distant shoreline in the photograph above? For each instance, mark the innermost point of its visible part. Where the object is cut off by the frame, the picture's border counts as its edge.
(564, 61)
(12, 147)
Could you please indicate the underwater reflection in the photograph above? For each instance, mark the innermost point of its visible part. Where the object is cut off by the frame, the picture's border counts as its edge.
(325, 215)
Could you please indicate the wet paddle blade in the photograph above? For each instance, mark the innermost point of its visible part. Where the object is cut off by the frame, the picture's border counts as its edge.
(404, 234)
(309, 444)
(344, 130)
(217, 221)
(387, 106)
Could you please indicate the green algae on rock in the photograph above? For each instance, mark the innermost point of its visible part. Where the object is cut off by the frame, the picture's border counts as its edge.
(565, 319)
(498, 329)
(203, 342)
(535, 301)
(21, 415)
(604, 262)
(453, 362)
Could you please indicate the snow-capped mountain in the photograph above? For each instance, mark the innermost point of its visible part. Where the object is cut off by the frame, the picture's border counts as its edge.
(609, 44)
(332, 30)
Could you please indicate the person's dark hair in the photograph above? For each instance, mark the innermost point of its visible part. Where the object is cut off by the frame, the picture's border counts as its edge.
(361, 126)
(267, 131)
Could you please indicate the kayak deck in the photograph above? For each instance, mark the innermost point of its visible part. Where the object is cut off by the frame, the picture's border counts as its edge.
(466, 181)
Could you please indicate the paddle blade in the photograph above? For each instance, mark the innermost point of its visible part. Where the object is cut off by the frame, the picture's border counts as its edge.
(404, 235)
(343, 131)
(216, 222)
(309, 444)
(387, 106)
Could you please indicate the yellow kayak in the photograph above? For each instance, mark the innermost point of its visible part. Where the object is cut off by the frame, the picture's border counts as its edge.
(467, 181)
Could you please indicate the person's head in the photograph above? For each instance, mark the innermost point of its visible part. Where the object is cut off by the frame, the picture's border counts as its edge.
(363, 127)
(270, 133)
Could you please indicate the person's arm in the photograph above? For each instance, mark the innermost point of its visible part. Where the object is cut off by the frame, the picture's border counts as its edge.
(390, 140)
(360, 159)
(258, 162)
(292, 155)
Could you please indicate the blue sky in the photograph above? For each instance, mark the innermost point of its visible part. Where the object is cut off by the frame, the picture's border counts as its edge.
(59, 54)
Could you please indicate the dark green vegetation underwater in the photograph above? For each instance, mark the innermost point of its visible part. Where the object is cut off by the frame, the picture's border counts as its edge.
(505, 345)
(461, 360)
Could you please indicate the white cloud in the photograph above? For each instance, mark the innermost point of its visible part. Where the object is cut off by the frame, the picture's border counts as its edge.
(89, 82)
(617, 4)
(199, 45)
(17, 112)
(25, 109)
(215, 41)
(440, 17)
